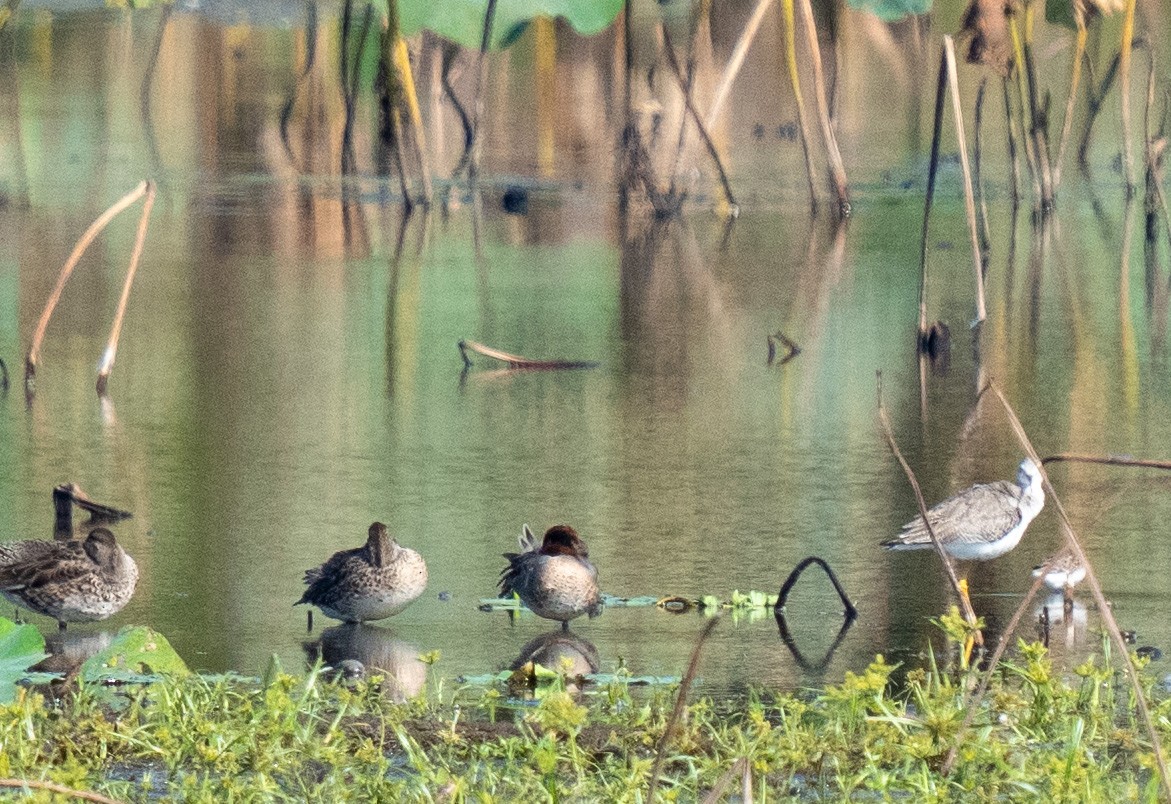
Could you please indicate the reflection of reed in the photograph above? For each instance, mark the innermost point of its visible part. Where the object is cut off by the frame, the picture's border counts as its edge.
(379, 650)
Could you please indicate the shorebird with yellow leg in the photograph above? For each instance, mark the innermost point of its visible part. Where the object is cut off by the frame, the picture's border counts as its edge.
(981, 522)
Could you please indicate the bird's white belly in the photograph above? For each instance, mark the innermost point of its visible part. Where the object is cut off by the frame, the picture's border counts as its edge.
(983, 551)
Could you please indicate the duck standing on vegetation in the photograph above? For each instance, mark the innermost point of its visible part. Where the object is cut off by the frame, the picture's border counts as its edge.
(71, 581)
(371, 582)
(557, 580)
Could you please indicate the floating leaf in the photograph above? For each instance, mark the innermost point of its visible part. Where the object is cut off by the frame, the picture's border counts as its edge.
(135, 650)
(462, 21)
(21, 646)
(891, 10)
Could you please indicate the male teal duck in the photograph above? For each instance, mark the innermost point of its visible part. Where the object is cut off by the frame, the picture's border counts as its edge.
(556, 581)
(70, 581)
(372, 582)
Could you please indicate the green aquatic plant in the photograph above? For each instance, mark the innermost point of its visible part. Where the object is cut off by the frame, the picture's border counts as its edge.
(21, 646)
(462, 21)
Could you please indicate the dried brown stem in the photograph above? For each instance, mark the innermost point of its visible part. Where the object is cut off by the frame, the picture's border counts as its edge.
(481, 87)
(945, 559)
(747, 36)
(30, 361)
(673, 62)
(60, 789)
(516, 361)
(680, 704)
(1095, 587)
(836, 169)
(1109, 460)
(111, 352)
(791, 348)
(969, 196)
(739, 768)
(1075, 78)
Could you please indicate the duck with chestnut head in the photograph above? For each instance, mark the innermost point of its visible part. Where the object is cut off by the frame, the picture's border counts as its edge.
(556, 580)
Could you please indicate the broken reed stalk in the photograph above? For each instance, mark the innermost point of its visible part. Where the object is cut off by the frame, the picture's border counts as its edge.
(1018, 53)
(969, 197)
(1075, 79)
(837, 170)
(3, 377)
(30, 361)
(1095, 99)
(516, 361)
(739, 768)
(306, 69)
(481, 87)
(945, 559)
(1108, 460)
(673, 62)
(978, 696)
(391, 124)
(60, 789)
(410, 98)
(791, 348)
(977, 173)
(1104, 610)
(680, 705)
(108, 356)
(1124, 87)
(747, 36)
(788, 35)
(929, 196)
(1013, 156)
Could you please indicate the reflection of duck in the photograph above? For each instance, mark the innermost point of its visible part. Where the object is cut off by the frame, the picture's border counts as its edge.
(71, 581)
(561, 651)
(378, 650)
(557, 580)
(371, 582)
(67, 495)
(68, 650)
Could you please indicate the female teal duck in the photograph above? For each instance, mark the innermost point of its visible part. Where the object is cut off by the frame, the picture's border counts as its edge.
(557, 580)
(367, 583)
(71, 581)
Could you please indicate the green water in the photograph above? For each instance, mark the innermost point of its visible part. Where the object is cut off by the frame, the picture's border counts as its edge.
(288, 370)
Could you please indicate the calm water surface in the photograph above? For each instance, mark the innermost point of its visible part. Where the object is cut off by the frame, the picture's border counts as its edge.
(288, 371)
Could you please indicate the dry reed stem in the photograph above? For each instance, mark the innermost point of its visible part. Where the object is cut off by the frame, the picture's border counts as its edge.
(402, 60)
(1010, 132)
(747, 36)
(1095, 587)
(30, 362)
(788, 26)
(1109, 460)
(59, 789)
(1075, 79)
(481, 85)
(739, 767)
(111, 352)
(969, 196)
(929, 195)
(948, 565)
(680, 704)
(1124, 88)
(673, 62)
(833, 154)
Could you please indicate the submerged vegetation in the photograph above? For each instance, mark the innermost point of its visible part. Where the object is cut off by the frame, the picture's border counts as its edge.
(1066, 736)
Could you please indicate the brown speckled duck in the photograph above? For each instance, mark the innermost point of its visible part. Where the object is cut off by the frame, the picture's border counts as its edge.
(70, 581)
(557, 580)
(367, 583)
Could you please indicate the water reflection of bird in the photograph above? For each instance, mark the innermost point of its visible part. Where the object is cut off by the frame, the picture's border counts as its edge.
(982, 521)
(377, 649)
(68, 650)
(71, 581)
(562, 652)
(556, 581)
(1061, 574)
(371, 582)
(67, 495)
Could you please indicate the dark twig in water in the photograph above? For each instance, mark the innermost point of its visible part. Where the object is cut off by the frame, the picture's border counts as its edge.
(116, 328)
(669, 49)
(147, 79)
(1110, 460)
(516, 361)
(798, 656)
(450, 53)
(945, 559)
(3, 376)
(680, 704)
(481, 87)
(929, 195)
(791, 347)
(1096, 98)
(310, 58)
(787, 586)
(1107, 615)
(30, 361)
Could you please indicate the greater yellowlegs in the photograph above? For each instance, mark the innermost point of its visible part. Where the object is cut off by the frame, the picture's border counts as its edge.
(556, 581)
(982, 521)
(371, 582)
(71, 581)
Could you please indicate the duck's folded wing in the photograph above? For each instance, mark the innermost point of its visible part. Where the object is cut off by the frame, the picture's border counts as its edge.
(973, 515)
(67, 563)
